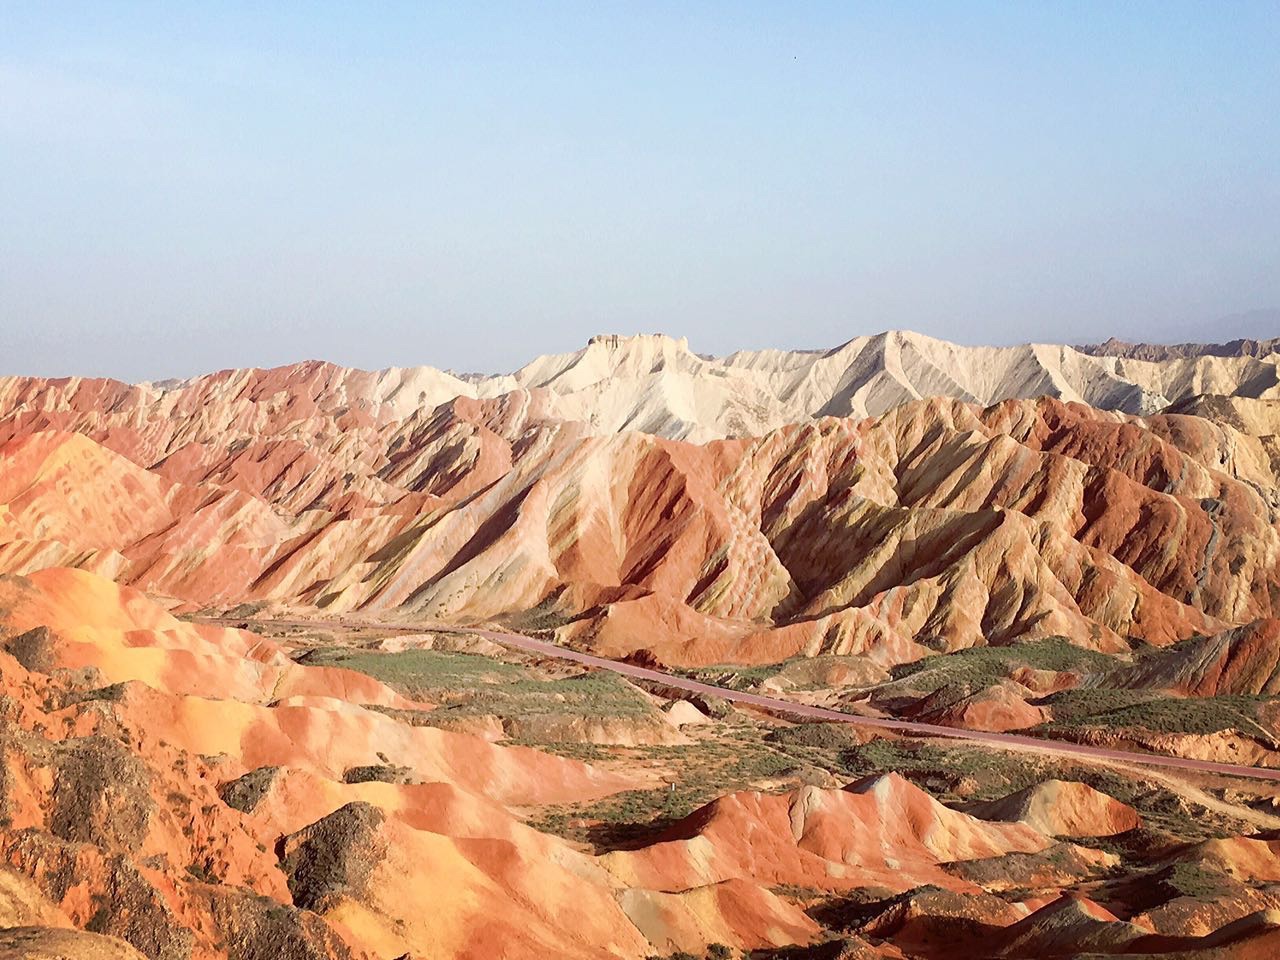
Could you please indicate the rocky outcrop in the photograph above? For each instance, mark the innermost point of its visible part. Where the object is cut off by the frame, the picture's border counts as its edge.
(45, 943)
(1060, 866)
(1070, 926)
(923, 918)
(879, 832)
(1059, 808)
(1243, 660)
(999, 708)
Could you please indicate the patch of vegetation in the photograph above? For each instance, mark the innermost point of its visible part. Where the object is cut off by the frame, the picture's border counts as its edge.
(586, 752)
(201, 872)
(598, 694)
(1195, 880)
(378, 773)
(417, 672)
(802, 894)
(799, 673)
(737, 760)
(468, 684)
(245, 611)
(1081, 703)
(1156, 712)
(742, 755)
(543, 618)
(99, 922)
(984, 665)
(992, 773)
(850, 911)
(732, 676)
(623, 821)
(823, 736)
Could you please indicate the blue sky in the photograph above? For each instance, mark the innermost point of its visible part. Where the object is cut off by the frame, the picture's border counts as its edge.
(189, 187)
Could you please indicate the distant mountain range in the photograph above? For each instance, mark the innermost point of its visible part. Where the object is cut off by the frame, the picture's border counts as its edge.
(1180, 351)
(655, 384)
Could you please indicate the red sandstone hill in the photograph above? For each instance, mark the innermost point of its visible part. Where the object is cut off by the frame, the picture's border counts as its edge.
(934, 527)
(162, 790)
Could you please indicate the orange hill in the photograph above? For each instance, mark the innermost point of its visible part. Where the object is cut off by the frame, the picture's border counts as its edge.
(938, 525)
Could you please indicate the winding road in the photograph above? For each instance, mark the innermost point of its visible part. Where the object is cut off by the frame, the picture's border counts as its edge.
(1012, 741)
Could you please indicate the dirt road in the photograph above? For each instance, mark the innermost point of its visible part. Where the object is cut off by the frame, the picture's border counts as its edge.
(1007, 740)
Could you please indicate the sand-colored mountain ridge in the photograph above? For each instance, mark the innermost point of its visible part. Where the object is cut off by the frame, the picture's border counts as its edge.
(656, 384)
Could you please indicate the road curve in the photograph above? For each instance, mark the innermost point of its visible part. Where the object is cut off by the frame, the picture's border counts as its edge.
(1008, 740)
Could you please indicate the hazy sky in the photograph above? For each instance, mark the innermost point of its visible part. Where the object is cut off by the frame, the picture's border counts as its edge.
(189, 187)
